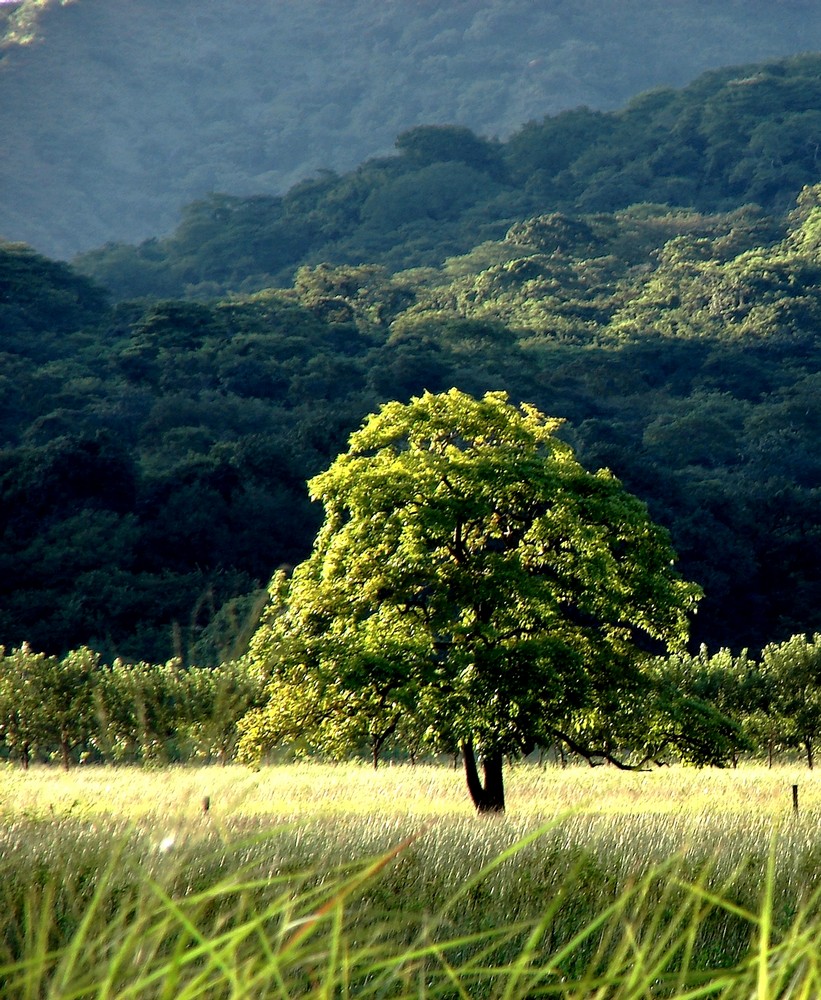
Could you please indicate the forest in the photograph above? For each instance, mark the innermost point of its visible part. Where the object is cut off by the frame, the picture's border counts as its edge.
(114, 114)
(740, 137)
(165, 403)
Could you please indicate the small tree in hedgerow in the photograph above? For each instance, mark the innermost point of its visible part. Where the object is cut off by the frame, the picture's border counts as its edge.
(21, 717)
(792, 674)
(472, 586)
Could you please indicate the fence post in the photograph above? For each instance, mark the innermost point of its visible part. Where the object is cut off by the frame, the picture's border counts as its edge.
(795, 799)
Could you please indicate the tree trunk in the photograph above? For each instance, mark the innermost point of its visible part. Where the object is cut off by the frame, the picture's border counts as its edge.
(487, 796)
(65, 752)
(379, 740)
(25, 755)
(808, 743)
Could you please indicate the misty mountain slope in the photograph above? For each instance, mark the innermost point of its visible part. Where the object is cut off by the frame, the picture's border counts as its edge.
(114, 114)
(735, 137)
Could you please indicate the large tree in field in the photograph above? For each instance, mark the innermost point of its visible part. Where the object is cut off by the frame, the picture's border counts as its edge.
(472, 588)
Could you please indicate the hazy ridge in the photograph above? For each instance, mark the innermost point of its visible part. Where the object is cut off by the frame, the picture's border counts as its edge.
(114, 114)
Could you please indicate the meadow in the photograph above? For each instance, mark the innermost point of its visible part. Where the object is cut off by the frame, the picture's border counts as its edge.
(336, 880)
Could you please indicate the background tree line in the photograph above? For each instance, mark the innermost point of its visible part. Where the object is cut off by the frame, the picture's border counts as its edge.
(75, 708)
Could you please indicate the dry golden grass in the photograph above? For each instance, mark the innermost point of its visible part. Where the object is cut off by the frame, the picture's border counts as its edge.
(279, 836)
(284, 793)
(643, 817)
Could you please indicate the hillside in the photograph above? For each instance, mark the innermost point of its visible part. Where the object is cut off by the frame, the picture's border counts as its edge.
(115, 114)
(152, 473)
(733, 137)
(650, 274)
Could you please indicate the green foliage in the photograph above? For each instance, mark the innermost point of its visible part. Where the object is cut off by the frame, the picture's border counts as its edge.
(66, 701)
(216, 699)
(75, 706)
(429, 144)
(792, 672)
(46, 702)
(767, 707)
(41, 301)
(471, 581)
(712, 701)
(20, 701)
(154, 456)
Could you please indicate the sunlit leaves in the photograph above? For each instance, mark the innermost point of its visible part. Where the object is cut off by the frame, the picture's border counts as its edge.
(75, 707)
(471, 579)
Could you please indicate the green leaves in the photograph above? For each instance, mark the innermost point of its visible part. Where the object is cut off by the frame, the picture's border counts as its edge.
(792, 674)
(470, 577)
(64, 707)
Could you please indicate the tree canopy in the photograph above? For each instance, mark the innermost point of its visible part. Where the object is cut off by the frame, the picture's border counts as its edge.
(99, 156)
(472, 588)
(734, 137)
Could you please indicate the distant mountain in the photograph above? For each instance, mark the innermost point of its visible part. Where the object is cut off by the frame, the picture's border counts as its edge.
(113, 114)
(740, 139)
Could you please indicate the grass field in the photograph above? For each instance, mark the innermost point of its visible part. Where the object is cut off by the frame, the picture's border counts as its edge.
(314, 880)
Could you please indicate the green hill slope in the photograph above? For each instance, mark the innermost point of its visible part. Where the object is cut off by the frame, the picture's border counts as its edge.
(154, 454)
(733, 137)
(114, 114)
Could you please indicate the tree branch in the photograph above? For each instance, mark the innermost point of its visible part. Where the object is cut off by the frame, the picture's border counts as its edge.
(606, 756)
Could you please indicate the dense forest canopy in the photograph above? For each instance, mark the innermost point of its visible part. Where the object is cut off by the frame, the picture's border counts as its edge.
(734, 137)
(114, 114)
(155, 453)
(164, 404)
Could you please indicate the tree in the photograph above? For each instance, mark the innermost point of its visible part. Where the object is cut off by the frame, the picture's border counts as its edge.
(473, 580)
(793, 672)
(142, 709)
(710, 705)
(66, 690)
(46, 702)
(428, 144)
(21, 717)
(217, 697)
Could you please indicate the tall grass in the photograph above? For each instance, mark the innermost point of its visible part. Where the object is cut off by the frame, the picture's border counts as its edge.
(334, 882)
